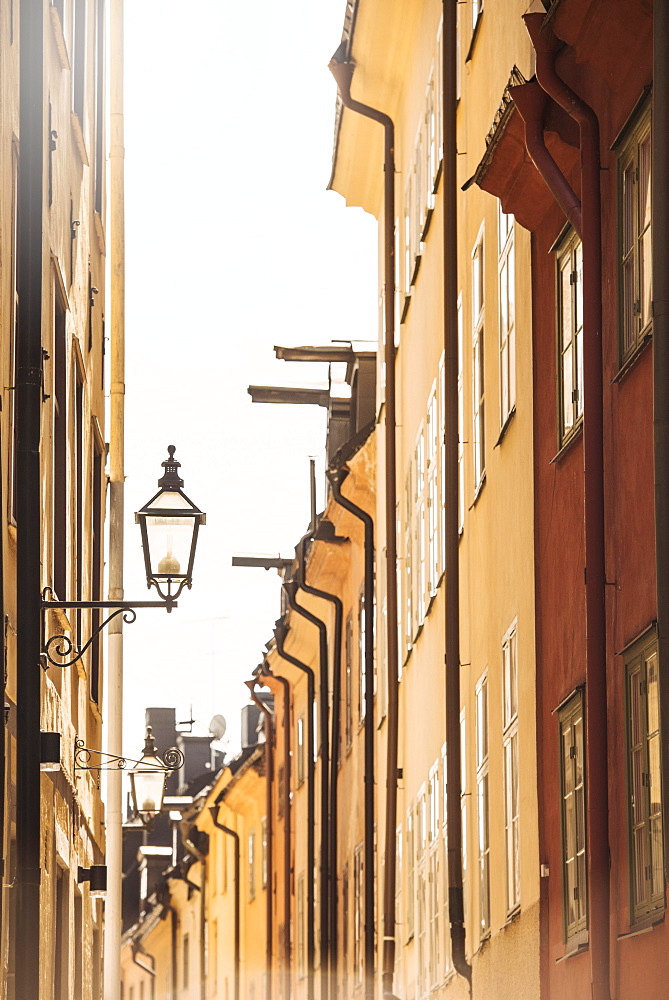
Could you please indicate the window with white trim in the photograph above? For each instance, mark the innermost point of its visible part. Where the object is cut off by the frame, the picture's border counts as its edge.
(635, 261)
(300, 749)
(433, 505)
(461, 421)
(358, 918)
(570, 335)
(263, 854)
(362, 674)
(511, 767)
(572, 774)
(411, 865)
(483, 805)
(478, 370)
(507, 315)
(301, 928)
(252, 864)
(644, 779)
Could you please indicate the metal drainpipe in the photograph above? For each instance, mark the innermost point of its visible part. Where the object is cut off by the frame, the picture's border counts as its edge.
(531, 101)
(3, 746)
(343, 73)
(202, 889)
(660, 216)
(28, 488)
(323, 712)
(267, 672)
(337, 478)
(173, 946)
(269, 752)
(451, 525)
(137, 948)
(334, 743)
(235, 837)
(280, 633)
(546, 45)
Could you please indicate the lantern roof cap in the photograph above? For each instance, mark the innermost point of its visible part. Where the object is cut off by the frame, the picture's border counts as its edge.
(170, 479)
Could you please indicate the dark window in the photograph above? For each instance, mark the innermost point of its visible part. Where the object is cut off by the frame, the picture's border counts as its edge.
(97, 507)
(349, 681)
(79, 59)
(99, 105)
(59, 449)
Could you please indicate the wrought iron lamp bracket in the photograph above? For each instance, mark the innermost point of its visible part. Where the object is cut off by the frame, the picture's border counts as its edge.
(172, 760)
(62, 646)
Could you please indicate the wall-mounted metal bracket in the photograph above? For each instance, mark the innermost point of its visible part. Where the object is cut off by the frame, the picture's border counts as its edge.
(172, 760)
(62, 646)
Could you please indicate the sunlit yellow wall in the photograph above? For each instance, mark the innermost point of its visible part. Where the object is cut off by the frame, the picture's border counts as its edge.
(242, 808)
(396, 52)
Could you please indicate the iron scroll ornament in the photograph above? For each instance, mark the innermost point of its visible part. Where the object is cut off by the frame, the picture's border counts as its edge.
(172, 759)
(63, 646)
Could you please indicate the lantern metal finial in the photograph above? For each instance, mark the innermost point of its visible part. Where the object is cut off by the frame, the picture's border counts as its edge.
(170, 478)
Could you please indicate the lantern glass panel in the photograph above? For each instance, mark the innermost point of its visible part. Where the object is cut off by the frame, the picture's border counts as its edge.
(170, 541)
(148, 786)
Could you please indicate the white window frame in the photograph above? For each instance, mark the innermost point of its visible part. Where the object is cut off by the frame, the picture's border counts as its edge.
(358, 915)
(507, 314)
(634, 237)
(433, 450)
(478, 361)
(511, 766)
(483, 804)
(569, 298)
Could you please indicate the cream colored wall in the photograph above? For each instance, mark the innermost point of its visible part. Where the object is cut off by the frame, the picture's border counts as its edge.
(72, 812)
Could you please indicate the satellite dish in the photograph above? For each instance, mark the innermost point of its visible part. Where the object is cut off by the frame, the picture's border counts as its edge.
(217, 727)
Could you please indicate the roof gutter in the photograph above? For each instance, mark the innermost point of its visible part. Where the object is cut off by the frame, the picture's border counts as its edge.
(343, 74)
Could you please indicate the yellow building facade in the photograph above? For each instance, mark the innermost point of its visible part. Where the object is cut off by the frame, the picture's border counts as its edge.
(399, 69)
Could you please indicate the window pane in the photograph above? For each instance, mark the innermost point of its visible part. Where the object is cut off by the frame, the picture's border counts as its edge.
(567, 390)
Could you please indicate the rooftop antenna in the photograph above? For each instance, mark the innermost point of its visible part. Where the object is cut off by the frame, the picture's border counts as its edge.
(187, 722)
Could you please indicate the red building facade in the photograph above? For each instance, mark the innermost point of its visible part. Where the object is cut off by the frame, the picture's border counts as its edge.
(600, 801)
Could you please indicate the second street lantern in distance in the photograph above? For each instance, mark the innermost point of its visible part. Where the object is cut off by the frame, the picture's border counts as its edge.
(169, 523)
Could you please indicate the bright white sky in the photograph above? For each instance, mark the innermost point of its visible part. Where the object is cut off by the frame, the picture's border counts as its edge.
(233, 245)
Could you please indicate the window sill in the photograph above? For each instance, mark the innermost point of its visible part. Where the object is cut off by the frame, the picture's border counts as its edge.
(475, 35)
(416, 269)
(575, 946)
(426, 224)
(79, 138)
(513, 916)
(477, 492)
(405, 307)
(59, 38)
(574, 435)
(631, 361)
(100, 233)
(505, 427)
(644, 925)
